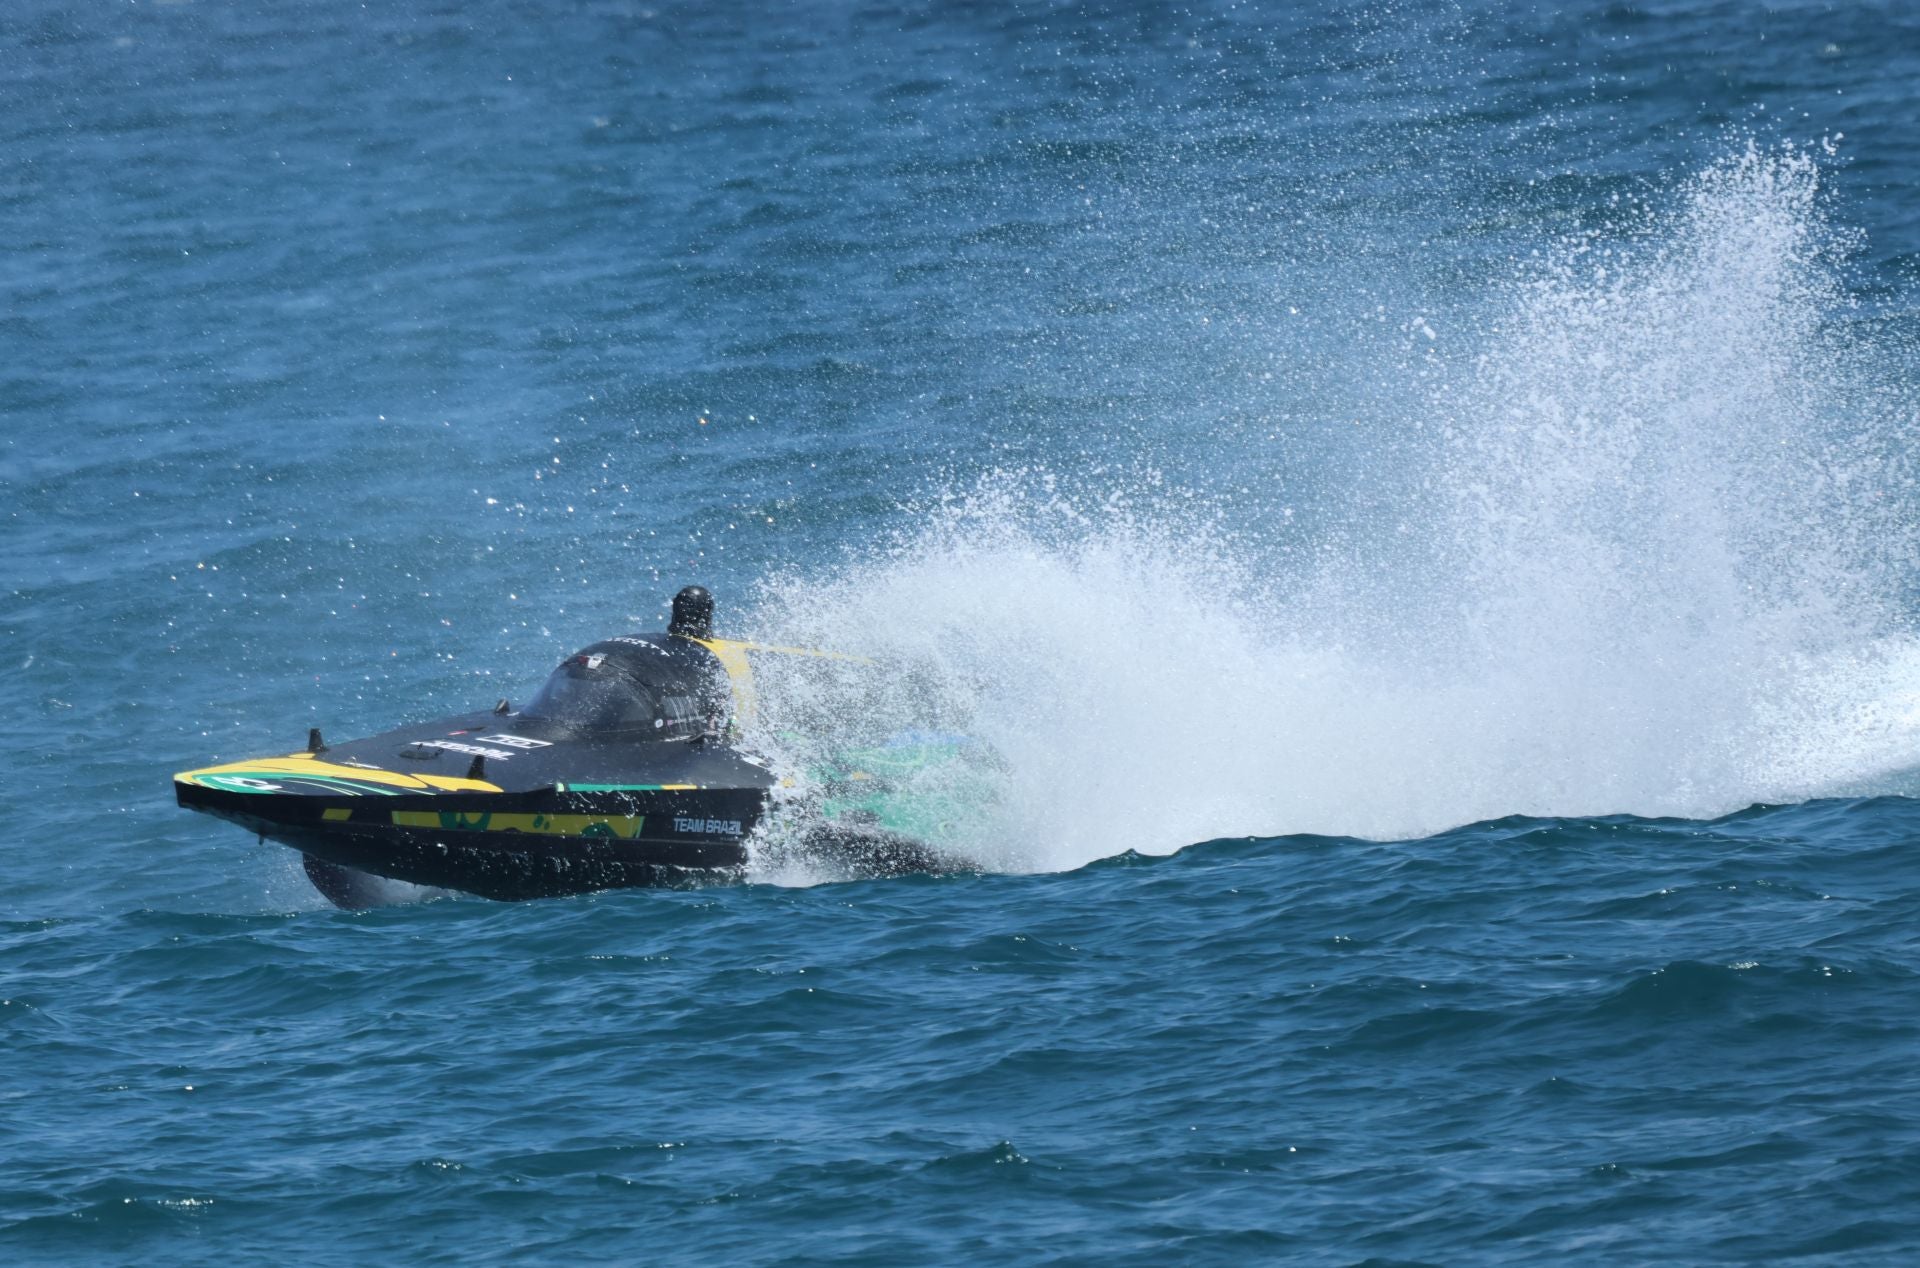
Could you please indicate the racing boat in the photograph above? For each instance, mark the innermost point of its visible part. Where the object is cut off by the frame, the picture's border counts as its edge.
(625, 769)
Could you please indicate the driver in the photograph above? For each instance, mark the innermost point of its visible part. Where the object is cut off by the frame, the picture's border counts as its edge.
(692, 613)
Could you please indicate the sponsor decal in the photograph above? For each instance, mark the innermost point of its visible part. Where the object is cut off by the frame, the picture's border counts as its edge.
(460, 746)
(515, 741)
(709, 827)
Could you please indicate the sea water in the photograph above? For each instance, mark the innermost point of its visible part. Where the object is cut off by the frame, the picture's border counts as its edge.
(1418, 497)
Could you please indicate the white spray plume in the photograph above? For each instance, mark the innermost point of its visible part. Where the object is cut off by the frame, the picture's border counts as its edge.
(1655, 558)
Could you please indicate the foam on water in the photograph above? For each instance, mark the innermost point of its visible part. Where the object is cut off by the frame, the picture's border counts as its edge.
(1653, 553)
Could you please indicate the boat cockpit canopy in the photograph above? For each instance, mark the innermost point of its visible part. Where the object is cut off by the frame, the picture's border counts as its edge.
(611, 689)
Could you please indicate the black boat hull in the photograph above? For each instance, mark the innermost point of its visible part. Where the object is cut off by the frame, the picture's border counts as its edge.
(500, 845)
(501, 869)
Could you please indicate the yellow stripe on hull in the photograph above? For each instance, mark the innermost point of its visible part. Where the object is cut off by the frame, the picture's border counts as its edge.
(732, 655)
(307, 764)
(625, 827)
(733, 658)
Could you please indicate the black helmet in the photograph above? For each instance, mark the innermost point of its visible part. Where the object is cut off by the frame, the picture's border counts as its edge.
(692, 613)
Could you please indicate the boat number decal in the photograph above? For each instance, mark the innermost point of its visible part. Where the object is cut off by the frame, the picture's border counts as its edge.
(240, 783)
(457, 746)
(712, 827)
(515, 741)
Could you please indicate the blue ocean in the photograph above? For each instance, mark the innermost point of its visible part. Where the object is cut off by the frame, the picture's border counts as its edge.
(1422, 498)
